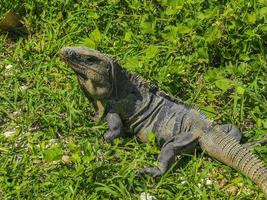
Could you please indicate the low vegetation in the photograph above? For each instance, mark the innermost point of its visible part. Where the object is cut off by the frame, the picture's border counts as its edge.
(209, 53)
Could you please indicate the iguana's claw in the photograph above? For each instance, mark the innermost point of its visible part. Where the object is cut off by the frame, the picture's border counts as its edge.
(109, 136)
(154, 172)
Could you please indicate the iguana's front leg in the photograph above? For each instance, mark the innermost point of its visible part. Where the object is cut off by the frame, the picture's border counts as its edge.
(169, 150)
(115, 127)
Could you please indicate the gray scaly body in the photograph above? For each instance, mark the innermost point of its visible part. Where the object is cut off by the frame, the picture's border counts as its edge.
(132, 105)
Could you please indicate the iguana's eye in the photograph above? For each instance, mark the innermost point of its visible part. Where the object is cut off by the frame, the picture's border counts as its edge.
(91, 60)
(109, 69)
(72, 54)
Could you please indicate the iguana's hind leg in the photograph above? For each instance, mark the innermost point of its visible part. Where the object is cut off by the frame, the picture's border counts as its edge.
(231, 130)
(169, 150)
(236, 133)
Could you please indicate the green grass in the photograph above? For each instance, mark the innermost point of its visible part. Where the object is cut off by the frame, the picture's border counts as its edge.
(209, 53)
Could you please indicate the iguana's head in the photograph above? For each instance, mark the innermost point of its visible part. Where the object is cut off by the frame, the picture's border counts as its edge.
(93, 69)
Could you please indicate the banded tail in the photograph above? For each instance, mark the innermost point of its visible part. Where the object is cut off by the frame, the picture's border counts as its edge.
(227, 149)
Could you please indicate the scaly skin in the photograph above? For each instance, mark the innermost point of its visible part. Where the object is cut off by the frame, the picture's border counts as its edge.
(132, 105)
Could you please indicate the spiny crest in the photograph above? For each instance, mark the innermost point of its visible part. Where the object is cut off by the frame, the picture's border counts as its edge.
(141, 82)
(202, 115)
(153, 88)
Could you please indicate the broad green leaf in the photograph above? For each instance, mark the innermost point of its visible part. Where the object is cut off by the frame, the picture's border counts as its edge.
(183, 29)
(244, 57)
(172, 3)
(172, 10)
(262, 2)
(263, 12)
(173, 6)
(170, 33)
(151, 137)
(263, 28)
(251, 18)
(240, 90)
(223, 84)
(73, 147)
(250, 33)
(132, 63)
(96, 36)
(94, 39)
(213, 34)
(75, 157)
(53, 153)
(208, 14)
(147, 27)
(259, 122)
(256, 110)
(88, 42)
(112, 2)
(93, 15)
(128, 36)
(242, 68)
(213, 75)
(211, 96)
(151, 51)
(209, 111)
(203, 52)
(264, 123)
(134, 4)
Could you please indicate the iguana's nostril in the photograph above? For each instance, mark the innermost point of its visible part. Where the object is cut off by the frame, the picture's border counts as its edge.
(71, 53)
(67, 52)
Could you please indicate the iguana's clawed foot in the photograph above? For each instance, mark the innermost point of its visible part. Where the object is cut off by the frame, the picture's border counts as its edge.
(115, 127)
(154, 172)
(111, 135)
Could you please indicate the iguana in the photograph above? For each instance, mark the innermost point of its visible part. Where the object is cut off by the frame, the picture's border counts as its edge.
(132, 105)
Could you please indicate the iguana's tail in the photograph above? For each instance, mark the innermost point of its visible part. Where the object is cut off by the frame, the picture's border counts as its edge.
(227, 149)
